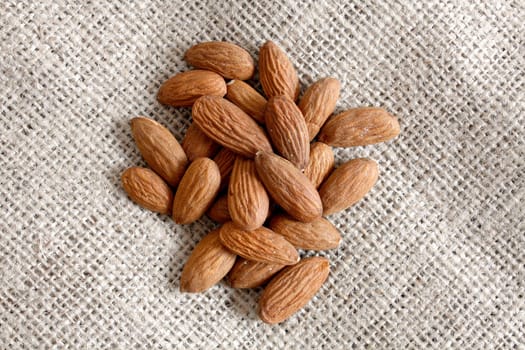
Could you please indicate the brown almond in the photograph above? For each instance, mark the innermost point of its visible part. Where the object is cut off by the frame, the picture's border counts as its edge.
(288, 186)
(219, 212)
(196, 144)
(247, 98)
(287, 128)
(228, 125)
(321, 163)
(261, 244)
(196, 191)
(225, 160)
(277, 73)
(319, 234)
(251, 274)
(160, 149)
(227, 59)
(248, 201)
(359, 127)
(147, 189)
(292, 289)
(318, 103)
(348, 184)
(184, 88)
(209, 262)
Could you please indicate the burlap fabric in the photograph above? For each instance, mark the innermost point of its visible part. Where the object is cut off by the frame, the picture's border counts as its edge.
(432, 258)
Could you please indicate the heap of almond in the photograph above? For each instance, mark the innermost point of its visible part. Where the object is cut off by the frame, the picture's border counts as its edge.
(257, 152)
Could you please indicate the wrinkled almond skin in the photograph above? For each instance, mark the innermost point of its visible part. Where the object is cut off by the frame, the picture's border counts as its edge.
(219, 212)
(248, 201)
(225, 160)
(320, 164)
(287, 128)
(261, 245)
(196, 144)
(318, 103)
(196, 191)
(288, 187)
(277, 73)
(247, 98)
(160, 149)
(348, 184)
(147, 189)
(251, 274)
(227, 59)
(228, 125)
(359, 127)
(184, 88)
(209, 262)
(292, 289)
(319, 234)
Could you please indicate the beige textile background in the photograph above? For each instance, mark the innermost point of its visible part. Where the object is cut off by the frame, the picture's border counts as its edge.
(434, 257)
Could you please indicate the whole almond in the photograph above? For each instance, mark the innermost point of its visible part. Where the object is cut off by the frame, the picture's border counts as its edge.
(277, 73)
(247, 98)
(228, 125)
(288, 186)
(227, 59)
(196, 191)
(292, 289)
(321, 163)
(219, 212)
(348, 184)
(147, 189)
(359, 127)
(160, 149)
(225, 160)
(287, 128)
(319, 234)
(251, 274)
(196, 144)
(261, 244)
(248, 201)
(207, 265)
(318, 103)
(184, 88)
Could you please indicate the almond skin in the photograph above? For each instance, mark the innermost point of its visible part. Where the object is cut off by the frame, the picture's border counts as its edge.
(196, 191)
(319, 234)
(251, 274)
(292, 289)
(227, 59)
(248, 201)
(348, 184)
(261, 245)
(289, 187)
(147, 189)
(277, 73)
(247, 98)
(160, 149)
(318, 103)
(184, 88)
(287, 128)
(228, 125)
(225, 160)
(196, 144)
(219, 212)
(321, 163)
(360, 127)
(207, 265)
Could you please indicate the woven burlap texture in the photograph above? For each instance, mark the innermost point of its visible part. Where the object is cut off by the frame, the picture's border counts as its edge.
(433, 257)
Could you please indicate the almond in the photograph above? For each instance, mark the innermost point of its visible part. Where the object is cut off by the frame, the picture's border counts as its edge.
(348, 184)
(219, 212)
(288, 186)
(196, 144)
(160, 149)
(225, 160)
(227, 59)
(207, 265)
(319, 234)
(251, 274)
(228, 125)
(184, 88)
(196, 191)
(147, 189)
(247, 98)
(287, 128)
(260, 244)
(318, 103)
(321, 163)
(277, 74)
(359, 127)
(292, 289)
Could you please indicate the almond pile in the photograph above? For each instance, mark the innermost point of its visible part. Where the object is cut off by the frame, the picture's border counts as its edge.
(250, 163)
